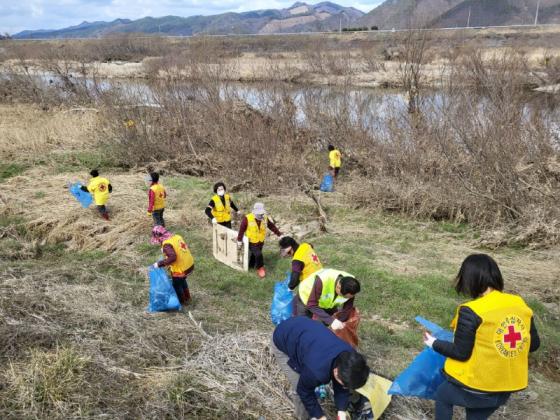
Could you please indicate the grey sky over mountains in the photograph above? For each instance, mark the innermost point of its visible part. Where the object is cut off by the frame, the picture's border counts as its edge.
(16, 16)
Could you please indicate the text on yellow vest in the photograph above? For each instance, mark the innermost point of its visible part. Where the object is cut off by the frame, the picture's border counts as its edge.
(184, 259)
(99, 187)
(256, 232)
(159, 196)
(306, 254)
(220, 212)
(500, 356)
(329, 299)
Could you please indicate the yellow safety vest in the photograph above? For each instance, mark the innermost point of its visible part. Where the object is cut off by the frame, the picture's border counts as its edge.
(254, 232)
(500, 357)
(329, 299)
(220, 212)
(184, 259)
(99, 187)
(306, 254)
(159, 196)
(335, 158)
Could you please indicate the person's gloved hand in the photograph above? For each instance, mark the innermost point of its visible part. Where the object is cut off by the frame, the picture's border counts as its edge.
(214, 221)
(155, 265)
(429, 339)
(149, 213)
(239, 244)
(337, 325)
(341, 415)
(239, 213)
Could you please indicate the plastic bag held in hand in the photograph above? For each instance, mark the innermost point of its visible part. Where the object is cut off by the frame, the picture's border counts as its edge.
(281, 308)
(423, 376)
(83, 197)
(162, 293)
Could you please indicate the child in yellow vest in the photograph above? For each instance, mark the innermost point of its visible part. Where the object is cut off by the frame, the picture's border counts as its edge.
(178, 260)
(100, 188)
(254, 226)
(493, 335)
(335, 160)
(156, 200)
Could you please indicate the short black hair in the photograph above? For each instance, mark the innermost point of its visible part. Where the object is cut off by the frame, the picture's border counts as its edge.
(94, 172)
(218, 185)
(353, 370)
(349, 285)
(477, 273)
(287, 241)
(331, 147)
(154, 176)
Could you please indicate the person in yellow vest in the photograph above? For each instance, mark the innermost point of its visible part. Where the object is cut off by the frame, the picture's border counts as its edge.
(100, 188)
(335, 160)
(304, 259)
(325, 293)
(493, 335)
(156, 200)
(254, 227)
(220, 206)
(177, 258)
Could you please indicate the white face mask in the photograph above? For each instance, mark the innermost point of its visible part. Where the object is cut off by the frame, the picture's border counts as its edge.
(221, 192)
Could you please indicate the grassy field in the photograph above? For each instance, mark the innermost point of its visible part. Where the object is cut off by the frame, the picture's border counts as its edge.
(77, 342)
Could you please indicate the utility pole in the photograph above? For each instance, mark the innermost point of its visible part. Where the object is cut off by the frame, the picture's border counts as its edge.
(469, 18)
(340, 25)
(537, 13)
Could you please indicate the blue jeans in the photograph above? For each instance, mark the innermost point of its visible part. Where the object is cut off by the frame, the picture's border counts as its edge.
(479, 405)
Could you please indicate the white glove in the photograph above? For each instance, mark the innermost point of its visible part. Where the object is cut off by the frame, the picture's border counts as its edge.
(239, 213)
(214, 221)
(429, 339)
(341, 415)
(155, 265)
(337, 325)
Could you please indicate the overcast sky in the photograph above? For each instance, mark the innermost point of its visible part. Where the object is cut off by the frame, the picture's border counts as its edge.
(17, 15)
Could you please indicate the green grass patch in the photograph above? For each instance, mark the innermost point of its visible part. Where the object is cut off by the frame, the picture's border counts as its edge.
(8, 170)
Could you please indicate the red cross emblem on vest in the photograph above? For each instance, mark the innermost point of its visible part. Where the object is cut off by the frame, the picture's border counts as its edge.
(183, 245)
(102, 187)
(315, 258)
(512, 337)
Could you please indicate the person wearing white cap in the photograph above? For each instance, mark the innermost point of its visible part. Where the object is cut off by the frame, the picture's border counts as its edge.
(254, 227)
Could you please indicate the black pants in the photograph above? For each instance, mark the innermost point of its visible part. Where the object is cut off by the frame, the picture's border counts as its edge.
(182, 289)
(479, 406)
(226, 224)
(102, 209)
(158, 217)
(255, 256)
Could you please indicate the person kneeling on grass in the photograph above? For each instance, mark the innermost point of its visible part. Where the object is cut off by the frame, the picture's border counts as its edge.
(177, 259)
(327, 293)
(156, 200)
(100, 188)
(311, 355)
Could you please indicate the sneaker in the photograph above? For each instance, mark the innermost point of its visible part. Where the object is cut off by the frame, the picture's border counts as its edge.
(261, 272)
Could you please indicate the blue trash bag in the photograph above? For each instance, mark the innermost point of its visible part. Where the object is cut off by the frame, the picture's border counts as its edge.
(423, 376)
(281, 308)
(327, 184)
(162, 293)
(83, 197)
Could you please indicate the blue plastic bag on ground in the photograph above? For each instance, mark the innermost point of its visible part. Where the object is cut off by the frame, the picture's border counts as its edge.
(423, 376)
(162, 293)
(281, 308)
(327, 184)
(82, 196)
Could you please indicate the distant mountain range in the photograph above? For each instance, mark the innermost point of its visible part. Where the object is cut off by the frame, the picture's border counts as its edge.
(300, 17)
(400, 14)
(325, 16)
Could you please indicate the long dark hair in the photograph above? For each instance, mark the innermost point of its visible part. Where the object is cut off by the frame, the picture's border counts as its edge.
(477, 273)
